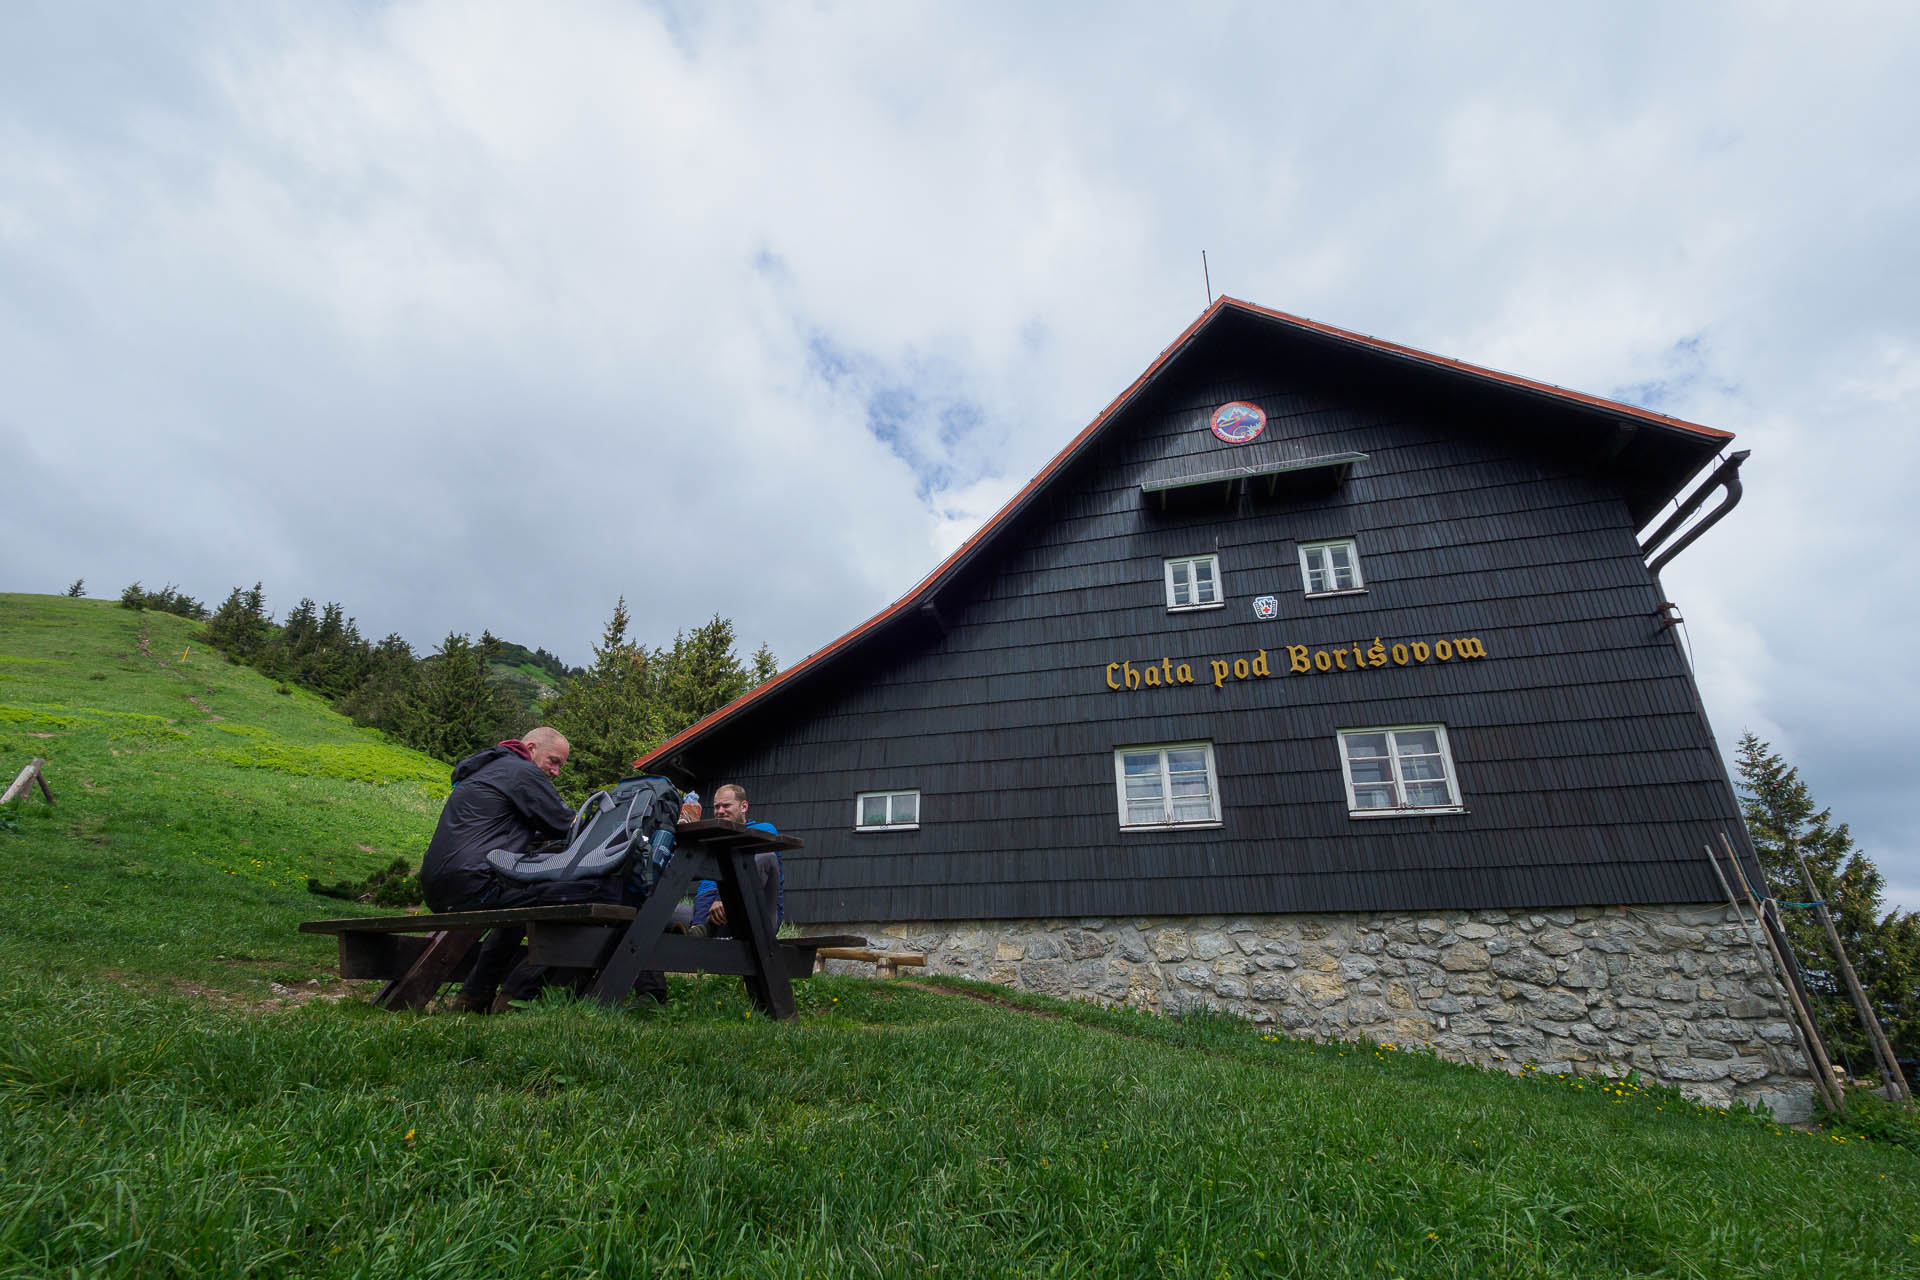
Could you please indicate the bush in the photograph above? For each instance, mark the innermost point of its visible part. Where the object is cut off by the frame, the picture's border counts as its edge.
(168, 599)
(1868, 1115)
(393, 886)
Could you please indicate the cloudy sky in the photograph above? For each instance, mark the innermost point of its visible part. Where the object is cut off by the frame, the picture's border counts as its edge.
(479, 315)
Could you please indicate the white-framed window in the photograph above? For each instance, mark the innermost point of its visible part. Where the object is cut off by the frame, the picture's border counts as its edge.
(1169, 785)
(1330, 568)
(1193, 582)
(886, 811)
(1393, 772)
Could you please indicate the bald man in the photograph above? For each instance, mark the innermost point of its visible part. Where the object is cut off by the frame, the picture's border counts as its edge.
(503, 798)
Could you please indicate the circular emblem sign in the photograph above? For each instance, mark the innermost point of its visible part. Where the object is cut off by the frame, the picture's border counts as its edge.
(1238, 422)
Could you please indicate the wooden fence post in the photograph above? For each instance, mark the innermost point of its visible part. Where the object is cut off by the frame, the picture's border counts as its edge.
(28, 776)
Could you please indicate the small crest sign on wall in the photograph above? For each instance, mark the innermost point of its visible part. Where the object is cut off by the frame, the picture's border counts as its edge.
(1266, 608)
(1238, 421)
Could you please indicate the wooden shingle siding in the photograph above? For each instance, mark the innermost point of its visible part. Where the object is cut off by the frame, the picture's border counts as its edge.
(1587, 771)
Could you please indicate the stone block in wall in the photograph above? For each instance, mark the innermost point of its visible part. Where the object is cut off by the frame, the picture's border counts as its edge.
(1585, 971)
(1269, 990)
(1048, 977)
(1083, 944)
(1524, 964)
(1557, 942)
(1321, 989)
(1357, 966)
(1561, 1006)
(1043, 947)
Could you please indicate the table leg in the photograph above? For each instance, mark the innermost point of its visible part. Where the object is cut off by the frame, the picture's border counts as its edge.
(412, 989)
(739, 884)
(636, 946)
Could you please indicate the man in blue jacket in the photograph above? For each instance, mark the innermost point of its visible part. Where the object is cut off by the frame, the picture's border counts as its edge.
(709, 913)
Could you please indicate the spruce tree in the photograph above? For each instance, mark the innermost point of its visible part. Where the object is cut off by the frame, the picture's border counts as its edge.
(765, 665)
(699, 675)
(77, 588)
(454, 708)
(283, 655)
(607, 711)
(1782, 821)
(381, 696)
(240, 626)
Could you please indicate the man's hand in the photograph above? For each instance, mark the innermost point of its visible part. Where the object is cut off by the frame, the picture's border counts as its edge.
(716, 914)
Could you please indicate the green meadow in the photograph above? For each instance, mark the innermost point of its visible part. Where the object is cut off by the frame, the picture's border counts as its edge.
(187, 1089)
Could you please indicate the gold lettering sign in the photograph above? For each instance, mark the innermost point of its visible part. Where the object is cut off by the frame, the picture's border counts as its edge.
(1124, 677)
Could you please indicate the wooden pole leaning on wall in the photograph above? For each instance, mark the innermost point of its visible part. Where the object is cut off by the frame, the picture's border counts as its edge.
(23, 784)
(1890, 1074)
(1797, 1013)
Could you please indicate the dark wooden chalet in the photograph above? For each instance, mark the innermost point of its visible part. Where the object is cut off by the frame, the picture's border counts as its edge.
(1493, 710)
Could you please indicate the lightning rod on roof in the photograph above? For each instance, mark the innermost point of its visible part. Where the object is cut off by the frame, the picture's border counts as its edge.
(1205, 275)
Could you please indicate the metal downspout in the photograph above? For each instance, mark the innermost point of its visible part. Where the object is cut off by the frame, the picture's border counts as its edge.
(1727, 474)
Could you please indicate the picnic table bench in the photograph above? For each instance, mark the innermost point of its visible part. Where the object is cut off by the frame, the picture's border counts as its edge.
(417, 954)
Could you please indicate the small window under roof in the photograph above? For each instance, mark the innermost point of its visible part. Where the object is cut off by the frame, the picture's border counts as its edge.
(1300, 477)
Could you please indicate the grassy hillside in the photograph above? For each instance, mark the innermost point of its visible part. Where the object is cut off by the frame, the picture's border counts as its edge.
(162, 1114)
(193, 801)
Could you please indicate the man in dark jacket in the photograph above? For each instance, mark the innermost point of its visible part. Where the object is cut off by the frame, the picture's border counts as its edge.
(503, 798)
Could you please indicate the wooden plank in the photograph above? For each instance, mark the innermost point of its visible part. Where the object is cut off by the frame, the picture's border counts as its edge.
(714, 834)
(586, 947)
(389, 956)
(379, 955)
(571, 946)
(911, 959)
(432, 922)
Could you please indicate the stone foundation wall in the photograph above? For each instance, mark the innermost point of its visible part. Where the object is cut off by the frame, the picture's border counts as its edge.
(1674, 992)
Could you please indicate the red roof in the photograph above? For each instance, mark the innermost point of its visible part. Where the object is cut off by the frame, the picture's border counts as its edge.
(1001, 517)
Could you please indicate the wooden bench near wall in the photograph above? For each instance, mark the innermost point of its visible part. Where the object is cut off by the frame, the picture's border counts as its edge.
(886, 964)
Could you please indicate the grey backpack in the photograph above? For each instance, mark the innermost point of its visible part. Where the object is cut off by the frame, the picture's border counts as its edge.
(611, 827)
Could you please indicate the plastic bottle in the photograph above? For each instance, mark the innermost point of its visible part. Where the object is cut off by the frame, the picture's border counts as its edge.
(660, 849)
(690, 807)
(648, 870)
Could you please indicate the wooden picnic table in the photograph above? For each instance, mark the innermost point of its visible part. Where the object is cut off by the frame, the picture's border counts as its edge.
(419, 953)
